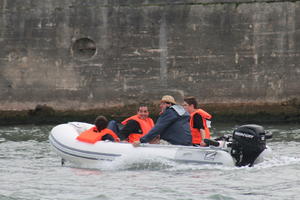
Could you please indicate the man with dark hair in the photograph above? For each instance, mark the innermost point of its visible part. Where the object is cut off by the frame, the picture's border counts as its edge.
(138, 125)
(171, 126)
(199, 121)
(101, 123)
(98, 132)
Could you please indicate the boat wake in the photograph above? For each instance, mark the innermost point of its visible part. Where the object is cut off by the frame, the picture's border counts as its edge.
(278, 162)
(136, 162)
(149, 162)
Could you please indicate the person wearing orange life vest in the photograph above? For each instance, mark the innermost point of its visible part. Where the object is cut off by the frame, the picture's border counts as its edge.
(98, 132)
(171, 126)
(138, 125)
(199, 121)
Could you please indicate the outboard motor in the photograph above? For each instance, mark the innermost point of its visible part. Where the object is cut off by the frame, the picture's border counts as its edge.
(248, 141)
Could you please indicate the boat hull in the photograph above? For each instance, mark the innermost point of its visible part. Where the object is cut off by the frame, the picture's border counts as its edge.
(63, 140)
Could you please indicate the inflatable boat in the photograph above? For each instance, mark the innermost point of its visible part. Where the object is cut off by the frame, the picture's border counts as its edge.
(222, 151)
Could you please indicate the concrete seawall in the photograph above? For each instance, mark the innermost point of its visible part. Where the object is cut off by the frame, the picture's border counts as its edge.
(83, 55)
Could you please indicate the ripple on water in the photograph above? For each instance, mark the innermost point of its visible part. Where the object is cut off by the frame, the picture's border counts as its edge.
(31, 170)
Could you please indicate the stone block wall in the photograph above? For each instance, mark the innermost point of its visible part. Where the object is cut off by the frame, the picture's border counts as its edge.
(85, 54)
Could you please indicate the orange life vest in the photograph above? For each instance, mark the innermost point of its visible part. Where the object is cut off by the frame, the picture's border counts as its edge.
(196, 135)
(92, 135)
(145, 124)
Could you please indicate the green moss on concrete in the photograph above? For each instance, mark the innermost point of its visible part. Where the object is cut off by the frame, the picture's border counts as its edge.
(236, 3)
(285, 112)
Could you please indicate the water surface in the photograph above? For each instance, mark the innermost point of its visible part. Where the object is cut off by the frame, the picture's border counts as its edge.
(29, 169)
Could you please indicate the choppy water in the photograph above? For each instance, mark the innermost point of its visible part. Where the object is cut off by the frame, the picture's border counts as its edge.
(30, 170)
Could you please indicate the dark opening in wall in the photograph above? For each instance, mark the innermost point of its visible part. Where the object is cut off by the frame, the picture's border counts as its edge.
(84, 48)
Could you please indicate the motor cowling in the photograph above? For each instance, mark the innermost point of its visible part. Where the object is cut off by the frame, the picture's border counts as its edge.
(248, 141)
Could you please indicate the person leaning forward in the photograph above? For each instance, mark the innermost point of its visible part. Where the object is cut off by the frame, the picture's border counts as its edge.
(98, 132)
(171, 126)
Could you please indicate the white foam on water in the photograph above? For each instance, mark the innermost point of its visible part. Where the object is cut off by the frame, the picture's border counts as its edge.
(277, 161)
(151, 162)
(136, 162)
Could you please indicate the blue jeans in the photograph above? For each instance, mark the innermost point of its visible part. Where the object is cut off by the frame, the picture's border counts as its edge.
(115, 127)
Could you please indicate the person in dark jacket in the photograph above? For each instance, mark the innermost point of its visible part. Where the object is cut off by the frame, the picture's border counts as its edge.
(172, 125)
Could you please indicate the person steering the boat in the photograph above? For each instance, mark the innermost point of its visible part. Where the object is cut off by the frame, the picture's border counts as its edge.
(98, 132)
(171, 126)
(138, 125)
(199, 121)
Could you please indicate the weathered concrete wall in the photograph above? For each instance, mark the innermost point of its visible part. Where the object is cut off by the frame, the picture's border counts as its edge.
(83, 54)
